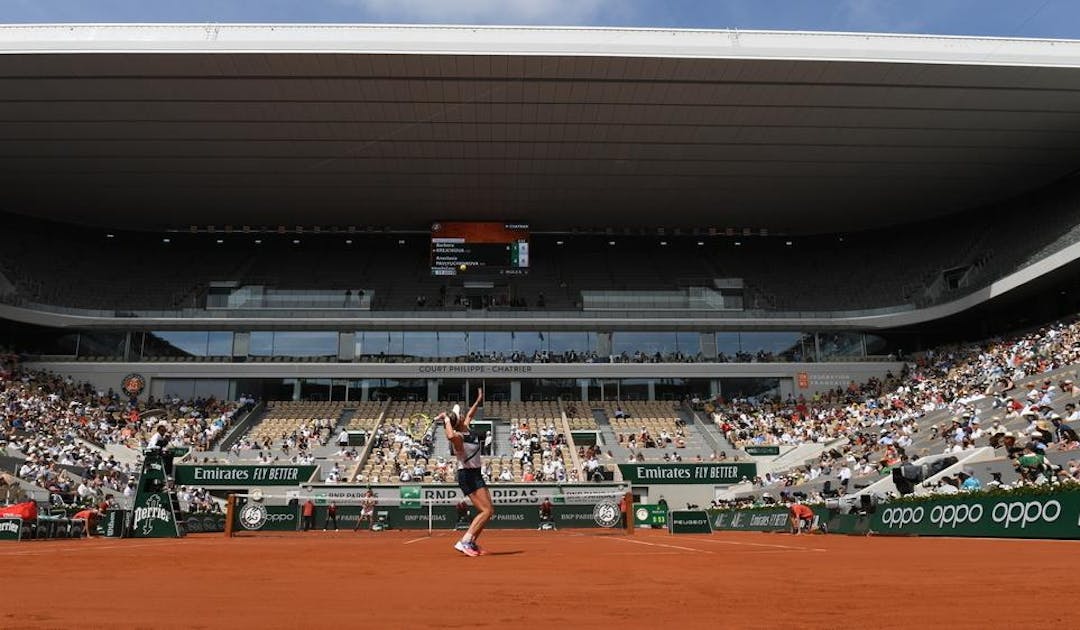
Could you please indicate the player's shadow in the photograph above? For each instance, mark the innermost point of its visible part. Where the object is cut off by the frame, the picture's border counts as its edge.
(503, 553)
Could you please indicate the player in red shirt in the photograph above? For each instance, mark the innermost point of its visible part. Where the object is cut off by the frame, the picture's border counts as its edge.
(802, 518)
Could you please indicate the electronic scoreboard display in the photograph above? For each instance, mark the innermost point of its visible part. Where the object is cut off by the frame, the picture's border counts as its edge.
(487, 248)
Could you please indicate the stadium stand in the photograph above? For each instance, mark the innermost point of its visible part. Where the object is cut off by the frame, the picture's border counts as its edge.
(59, 264)
(57, 434)
(296, 425)
(1007, 394)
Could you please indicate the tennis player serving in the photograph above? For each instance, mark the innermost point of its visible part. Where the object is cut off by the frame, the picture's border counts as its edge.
(466, 446)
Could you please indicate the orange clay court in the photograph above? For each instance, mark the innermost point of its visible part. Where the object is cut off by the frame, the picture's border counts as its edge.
(565, 579)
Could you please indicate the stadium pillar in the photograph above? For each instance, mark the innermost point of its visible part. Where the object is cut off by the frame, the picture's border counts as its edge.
(128, 347)
(346, 347)
(603, 344)
(241, 344)
(230, 513)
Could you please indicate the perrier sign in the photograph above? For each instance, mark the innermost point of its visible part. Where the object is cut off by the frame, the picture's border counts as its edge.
(153, 515)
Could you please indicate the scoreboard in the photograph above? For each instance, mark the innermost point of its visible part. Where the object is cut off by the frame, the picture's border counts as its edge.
(484, 248)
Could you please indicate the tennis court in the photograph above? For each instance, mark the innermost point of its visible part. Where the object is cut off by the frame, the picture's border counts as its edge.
(403, 579)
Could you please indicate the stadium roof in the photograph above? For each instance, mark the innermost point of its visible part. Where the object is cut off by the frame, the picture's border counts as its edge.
(159, 126)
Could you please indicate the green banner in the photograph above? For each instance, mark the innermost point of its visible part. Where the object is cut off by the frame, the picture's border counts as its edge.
(501, 493)
(114, 523)
(689, 522)
(153, 515)
(226, 476)
(1014, 515)
(410, 496)
(204, 523)
(254, 516)
(650, 515)
(687, 473)
(776, 519)
(10, 528)
(446, 517)
(762, 450)
(751, 520)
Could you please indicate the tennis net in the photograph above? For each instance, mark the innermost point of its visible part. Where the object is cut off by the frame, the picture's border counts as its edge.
(603, 511)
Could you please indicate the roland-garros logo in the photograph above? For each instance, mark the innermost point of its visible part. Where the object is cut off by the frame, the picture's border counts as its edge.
(253, 516)
(606, 513)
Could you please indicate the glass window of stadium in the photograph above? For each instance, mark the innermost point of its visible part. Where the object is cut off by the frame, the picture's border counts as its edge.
(493, 344)
(634, 388)
(529, 342)
(565, 343)
(364, 389)
(403, 389)
(877, 346)
(746, 347)
(453, 346)
(550, 389)
(757, 388)
(185, 343)
(190, 388)
(294, 344)
(670, 345)
(420, 345)
(839, 345)
(464, 389)
(679, 388)
(109, 345)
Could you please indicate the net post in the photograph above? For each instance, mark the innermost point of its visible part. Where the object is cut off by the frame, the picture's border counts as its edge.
(230, 509)
(628, 513)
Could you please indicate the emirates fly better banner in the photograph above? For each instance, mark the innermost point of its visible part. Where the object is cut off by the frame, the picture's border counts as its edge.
(226, 476)
(714, 473)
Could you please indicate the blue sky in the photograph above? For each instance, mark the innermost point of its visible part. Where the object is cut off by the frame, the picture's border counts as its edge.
(1020, 18)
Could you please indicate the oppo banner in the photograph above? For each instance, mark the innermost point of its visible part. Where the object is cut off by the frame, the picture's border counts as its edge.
(1054, 515)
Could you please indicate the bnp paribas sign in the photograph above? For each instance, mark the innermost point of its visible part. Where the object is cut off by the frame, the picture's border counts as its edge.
(687, 473)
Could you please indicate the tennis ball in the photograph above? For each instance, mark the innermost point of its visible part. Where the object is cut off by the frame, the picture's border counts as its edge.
(461, 266)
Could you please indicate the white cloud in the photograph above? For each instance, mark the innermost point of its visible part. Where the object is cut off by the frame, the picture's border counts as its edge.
(550, 12)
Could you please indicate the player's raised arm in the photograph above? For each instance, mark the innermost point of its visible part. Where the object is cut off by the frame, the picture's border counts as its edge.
(450, 433)
(475, 407)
